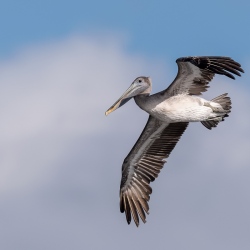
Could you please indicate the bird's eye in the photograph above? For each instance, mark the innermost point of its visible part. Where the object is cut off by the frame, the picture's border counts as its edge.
(140, 81)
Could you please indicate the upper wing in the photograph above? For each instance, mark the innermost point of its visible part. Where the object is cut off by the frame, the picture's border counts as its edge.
(143, 164)
(194, 73)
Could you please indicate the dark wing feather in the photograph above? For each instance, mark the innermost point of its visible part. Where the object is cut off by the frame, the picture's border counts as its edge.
(195, 73)
(143, 164)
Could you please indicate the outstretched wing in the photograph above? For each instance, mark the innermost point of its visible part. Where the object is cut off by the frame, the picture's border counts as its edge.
(143, 164)
(195, 73)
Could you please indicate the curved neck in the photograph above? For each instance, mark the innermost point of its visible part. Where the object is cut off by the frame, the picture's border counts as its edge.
(142, 100)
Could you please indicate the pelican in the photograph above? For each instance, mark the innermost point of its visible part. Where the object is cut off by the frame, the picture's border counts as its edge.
(170, 112)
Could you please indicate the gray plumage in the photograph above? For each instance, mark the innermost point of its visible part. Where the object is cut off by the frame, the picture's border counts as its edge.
(170, 112)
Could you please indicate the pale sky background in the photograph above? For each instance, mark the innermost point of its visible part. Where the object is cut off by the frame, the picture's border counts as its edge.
(62, 65)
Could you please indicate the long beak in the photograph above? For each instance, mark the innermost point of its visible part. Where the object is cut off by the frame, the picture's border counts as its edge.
(128, 94)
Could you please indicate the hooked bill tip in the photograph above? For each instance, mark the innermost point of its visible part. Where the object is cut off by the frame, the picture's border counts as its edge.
(111, 109)
(108, 111)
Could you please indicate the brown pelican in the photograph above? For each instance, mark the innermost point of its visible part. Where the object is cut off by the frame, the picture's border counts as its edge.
(170, 111)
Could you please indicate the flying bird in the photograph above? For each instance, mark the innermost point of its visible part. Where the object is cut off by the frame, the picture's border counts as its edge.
(170, 112)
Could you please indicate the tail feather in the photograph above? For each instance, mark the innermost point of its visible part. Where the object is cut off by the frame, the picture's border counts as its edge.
(225, 103)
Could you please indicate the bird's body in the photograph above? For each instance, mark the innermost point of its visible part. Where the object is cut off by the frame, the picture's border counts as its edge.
(179, 108)
(170, 112)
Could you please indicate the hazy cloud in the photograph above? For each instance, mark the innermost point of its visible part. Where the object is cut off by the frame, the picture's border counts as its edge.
(61, 157)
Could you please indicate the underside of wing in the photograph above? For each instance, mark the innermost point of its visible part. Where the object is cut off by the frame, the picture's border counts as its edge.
(195, 73)
(143, 164)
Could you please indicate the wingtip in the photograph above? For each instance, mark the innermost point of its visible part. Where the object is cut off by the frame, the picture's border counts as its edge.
(217, 64)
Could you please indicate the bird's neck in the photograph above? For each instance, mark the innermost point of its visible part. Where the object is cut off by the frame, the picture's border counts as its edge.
(141, 101)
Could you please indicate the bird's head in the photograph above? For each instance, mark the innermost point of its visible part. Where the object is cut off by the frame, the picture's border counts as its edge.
(140, 86)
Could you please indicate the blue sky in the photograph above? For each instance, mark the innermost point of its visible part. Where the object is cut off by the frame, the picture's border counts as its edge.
(166, 29)
(62, 65)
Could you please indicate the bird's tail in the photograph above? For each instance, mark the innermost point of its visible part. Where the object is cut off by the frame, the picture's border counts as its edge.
(223, 109)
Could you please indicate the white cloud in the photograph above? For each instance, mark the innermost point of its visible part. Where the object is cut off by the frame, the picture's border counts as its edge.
(61, 157)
